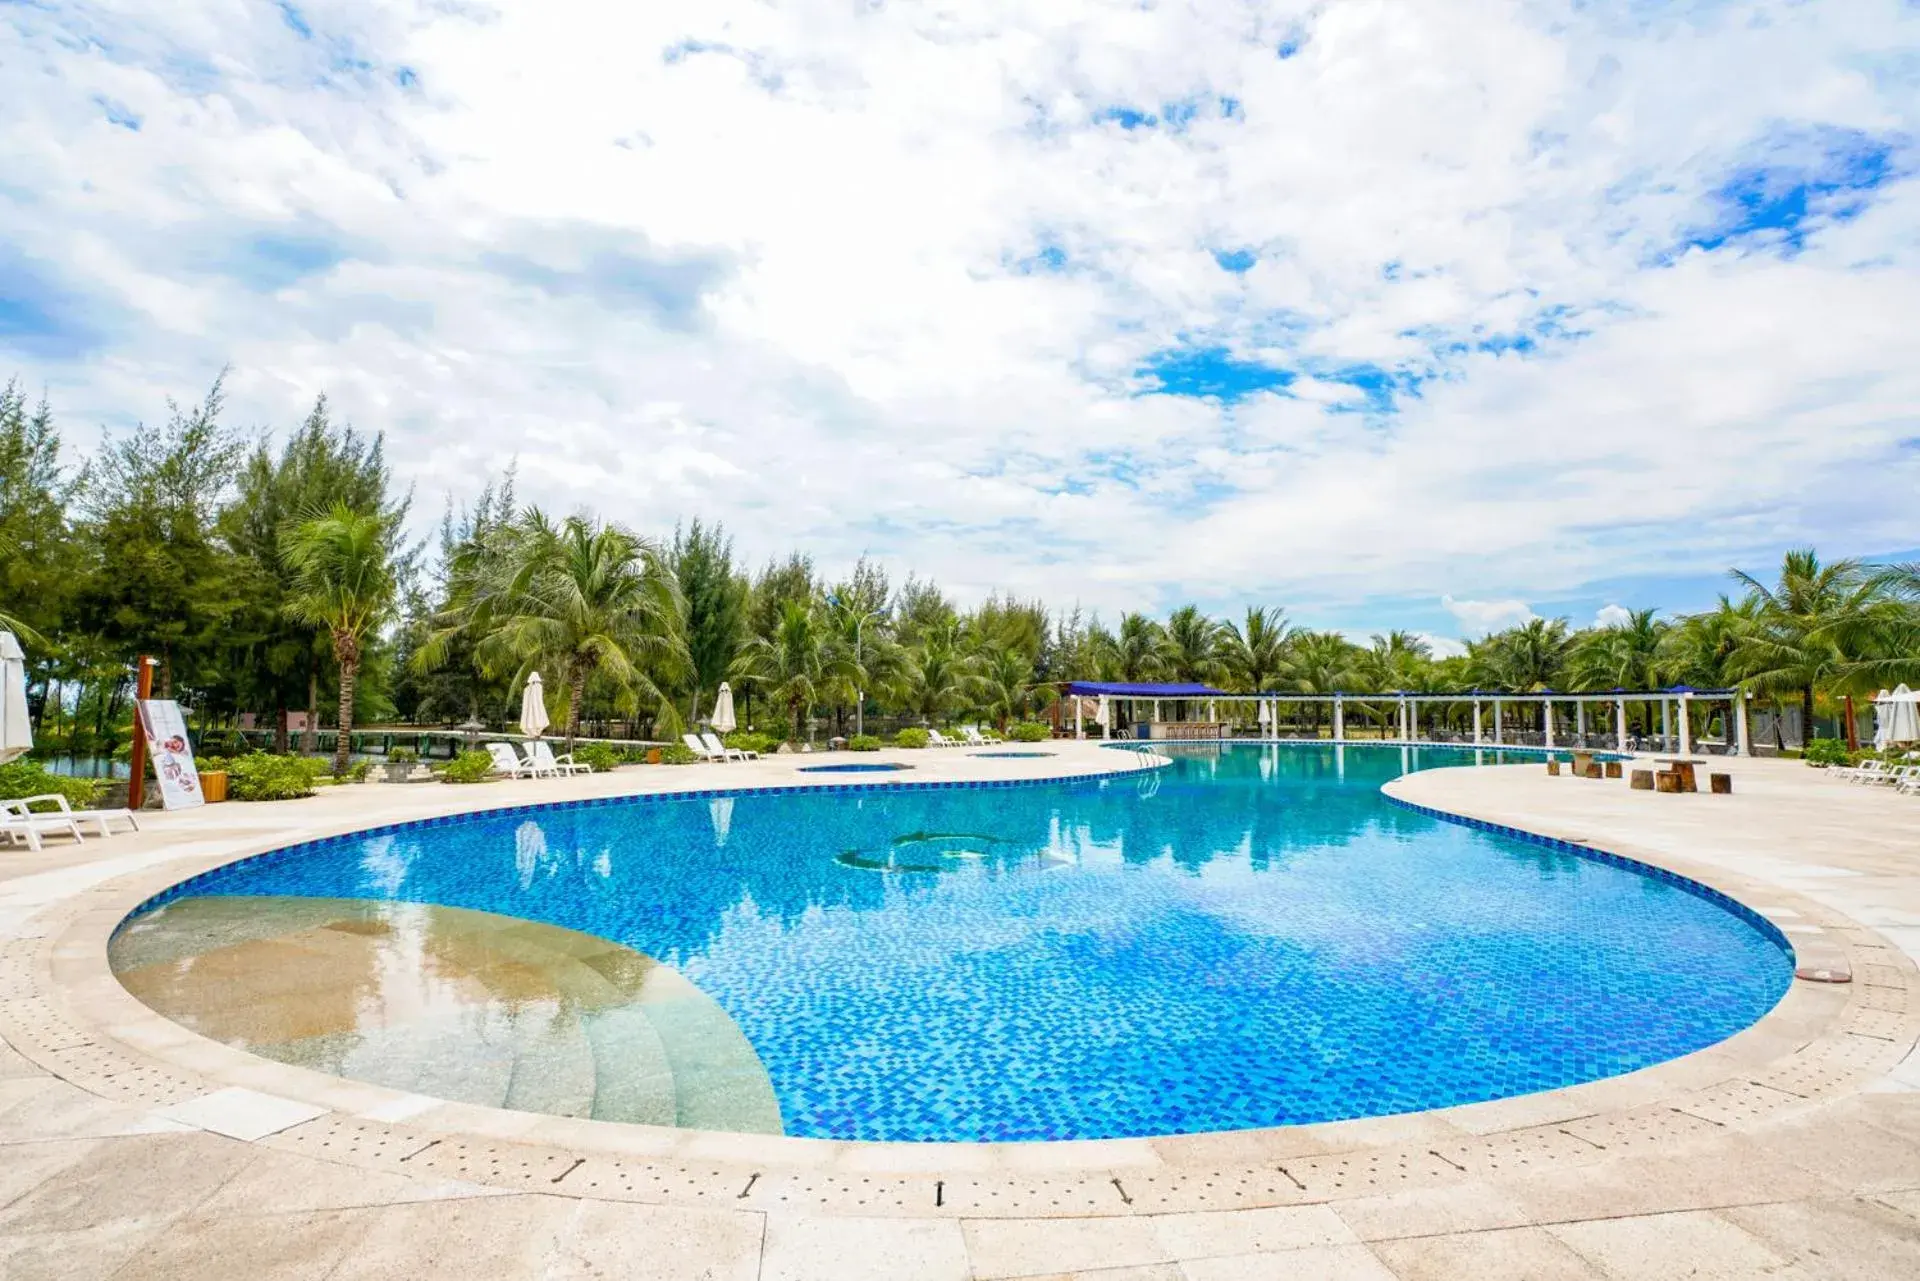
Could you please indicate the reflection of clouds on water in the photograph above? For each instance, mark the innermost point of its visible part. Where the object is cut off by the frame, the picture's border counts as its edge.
(385, 865)
(529, 851)
(603, 864)
(720, 808)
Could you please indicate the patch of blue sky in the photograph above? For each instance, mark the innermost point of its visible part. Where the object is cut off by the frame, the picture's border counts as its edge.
(1210, 373)
(1381, 387)
(1049, 257)
(274, 261)
(670, 288)
(406, 77)
(1291, 44)
(119, 113)
(1237, 261)
(1800, 180)
(1175, 115)
(38, 317)
(295, 20)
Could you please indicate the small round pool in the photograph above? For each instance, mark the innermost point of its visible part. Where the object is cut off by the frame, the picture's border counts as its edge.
(874, 767)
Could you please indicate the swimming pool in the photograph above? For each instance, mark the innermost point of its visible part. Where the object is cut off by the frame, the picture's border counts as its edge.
(1252, 936)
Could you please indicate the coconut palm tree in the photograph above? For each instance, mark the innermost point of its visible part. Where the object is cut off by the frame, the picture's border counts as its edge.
(1005, 683)
(1628, 655)
(796, 664)
(344, 581)
(1321, 663)
(869, 659)
(1805, 625)
(1140, 651)
(1194, 646)
(1257, 654)
(585, 600)
(942, 678)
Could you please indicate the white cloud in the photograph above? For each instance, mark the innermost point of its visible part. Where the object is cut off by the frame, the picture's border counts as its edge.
(1613, 616)
(1443, 646)
(1478, 617)
(763, 263)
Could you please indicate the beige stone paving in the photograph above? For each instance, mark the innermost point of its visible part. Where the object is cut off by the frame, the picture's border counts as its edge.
(1792, 1150)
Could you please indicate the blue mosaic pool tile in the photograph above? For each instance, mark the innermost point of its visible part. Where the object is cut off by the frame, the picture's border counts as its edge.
(1252, 936)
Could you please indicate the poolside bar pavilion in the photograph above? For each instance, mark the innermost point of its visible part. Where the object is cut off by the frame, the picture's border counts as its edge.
(1546, 719)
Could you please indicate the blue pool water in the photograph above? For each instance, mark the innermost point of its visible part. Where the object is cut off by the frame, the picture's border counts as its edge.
(1252, 936)
(866, 768)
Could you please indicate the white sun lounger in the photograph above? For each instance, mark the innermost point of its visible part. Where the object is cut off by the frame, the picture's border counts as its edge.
(540, 752)
(507, 761)
(17, 827)
(701, 750)
(714, 744)
(1865, 772)
(102, 819)
(977, 739)
(938, 739)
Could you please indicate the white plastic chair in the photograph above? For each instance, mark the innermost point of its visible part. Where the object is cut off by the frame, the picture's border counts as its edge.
(937, 739)
(540, 752)
(507, 761)
(62, 808)
(714, 744)
(977, 739)
(701, 750)
(17, 827)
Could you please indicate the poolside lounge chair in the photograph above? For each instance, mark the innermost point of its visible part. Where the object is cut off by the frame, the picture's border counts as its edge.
(540, 753)
(701, 750)
(714, 744)
(977, 739)
(17, 827)
(1865, 772)
(936, 739)
(507, 761)
(103, 819)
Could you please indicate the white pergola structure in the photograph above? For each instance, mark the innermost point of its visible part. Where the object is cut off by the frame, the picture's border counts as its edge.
(1597, 708)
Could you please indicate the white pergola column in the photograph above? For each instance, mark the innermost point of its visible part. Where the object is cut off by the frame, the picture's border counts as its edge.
(1666, 722)
(1546, 721)
(1496, 722)
(1106, 730)
(1079, 717)
(1580, 722)
(1339, 719)
(1413, 719)
(1745, 743)
(1686, 724)
(1478, 737)
(1211, 714)
(1620, 723)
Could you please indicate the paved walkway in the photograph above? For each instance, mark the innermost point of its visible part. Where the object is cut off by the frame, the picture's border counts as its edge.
(130, 1148)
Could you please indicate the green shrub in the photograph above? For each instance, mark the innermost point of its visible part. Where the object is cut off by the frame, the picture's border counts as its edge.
(864, 743)
(601, 756)
(467, 767)
(263, 776)
(677, 754)
(745, 740)
(403, 756)
(1030, 732)
(24, 778)
(358, 771)
(636, 754)
(1825, 751)
(912, 736)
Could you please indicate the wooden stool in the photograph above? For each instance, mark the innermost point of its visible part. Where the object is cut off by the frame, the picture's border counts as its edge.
(1667, 781)
(1720, 784)
(1613, 769)
(1594, 770)
(1642, 780)
(1553, 766)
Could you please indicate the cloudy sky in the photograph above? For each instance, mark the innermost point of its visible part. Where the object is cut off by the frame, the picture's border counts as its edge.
(1419, 313)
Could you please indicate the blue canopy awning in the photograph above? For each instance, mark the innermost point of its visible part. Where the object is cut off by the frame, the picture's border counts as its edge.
(1125, 689)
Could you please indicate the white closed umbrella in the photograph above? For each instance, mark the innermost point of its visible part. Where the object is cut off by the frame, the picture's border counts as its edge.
(533, 708)
(1901, 716)
(1882, 721)
(723, 720)
(1103, 715)
(16, 732)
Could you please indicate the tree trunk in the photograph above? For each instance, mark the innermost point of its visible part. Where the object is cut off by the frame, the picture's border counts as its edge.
(799, 728)
(1853, 734)
(349, 672)
(310, 740)
(1806, 716)
(576, 694)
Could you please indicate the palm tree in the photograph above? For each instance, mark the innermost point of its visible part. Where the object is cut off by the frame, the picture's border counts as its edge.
(1140, 649)
(1256, 654)
(869, 659)
(1321, 663)
(1005, 683)
(1628, 655)
(586, 600)
(942, 677)
(1805, 623)
(1194, 649)
(343, 581)
(796, 664)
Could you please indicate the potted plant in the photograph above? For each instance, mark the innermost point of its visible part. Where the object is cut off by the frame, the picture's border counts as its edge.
(400, 763)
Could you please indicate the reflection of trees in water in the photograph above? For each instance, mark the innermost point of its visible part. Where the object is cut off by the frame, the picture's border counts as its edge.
(660, 876)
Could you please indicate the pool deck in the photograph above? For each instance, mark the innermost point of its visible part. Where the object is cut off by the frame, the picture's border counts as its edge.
(132, 1148)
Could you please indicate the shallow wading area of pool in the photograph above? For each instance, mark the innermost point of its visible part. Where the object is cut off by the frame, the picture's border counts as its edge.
(1247, 936)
